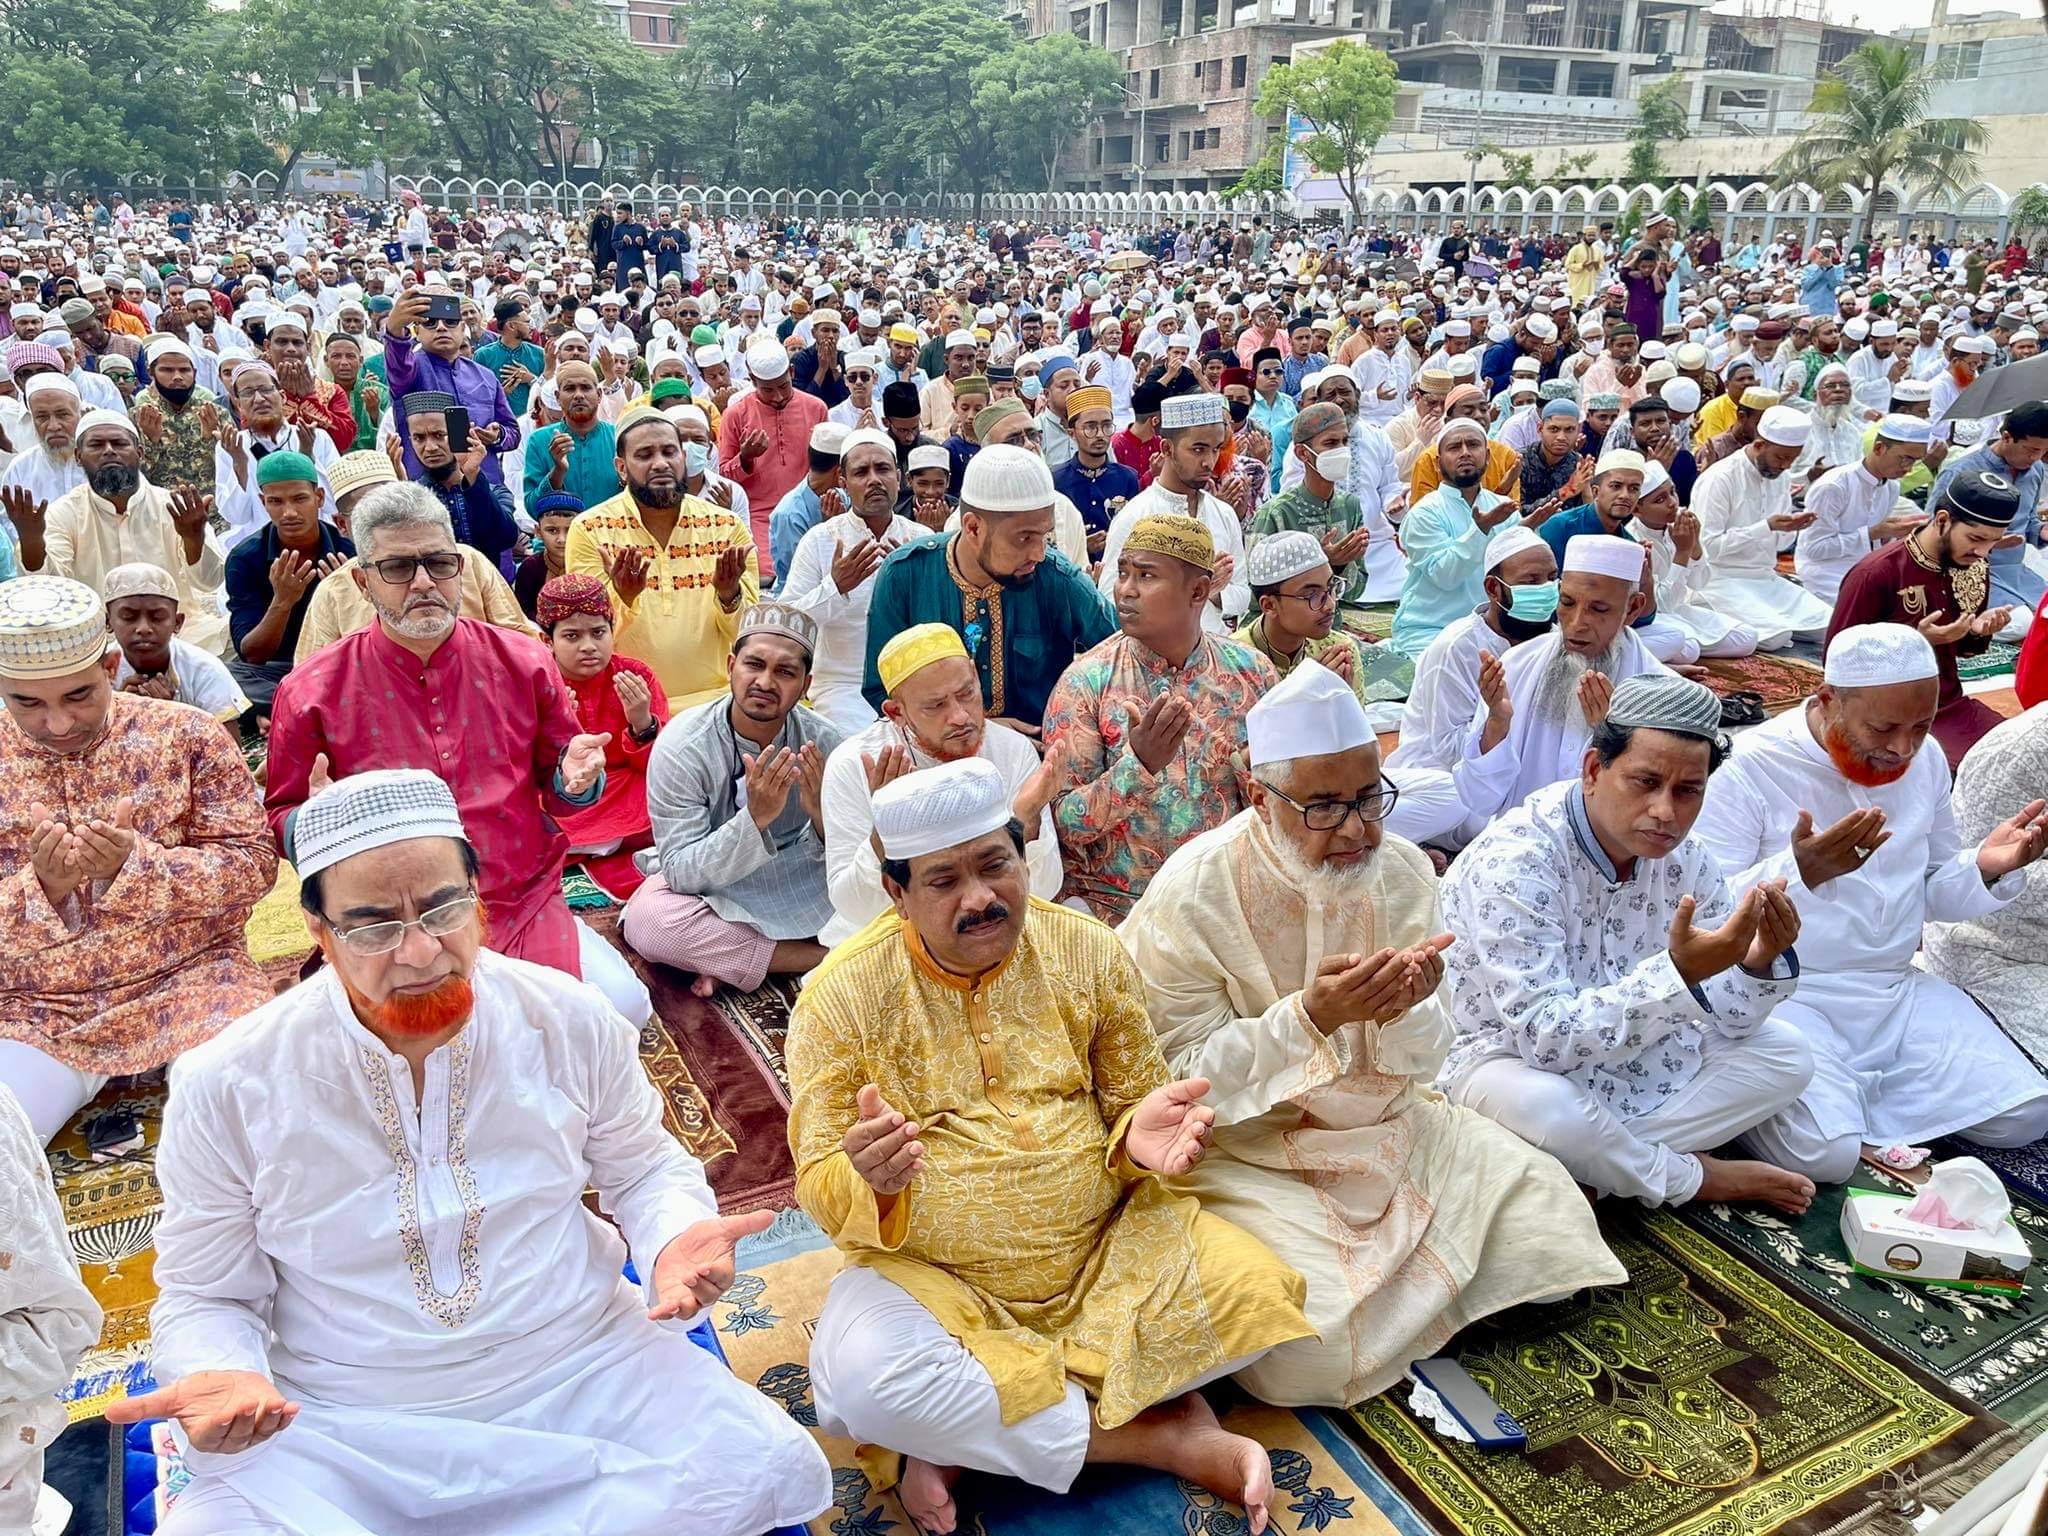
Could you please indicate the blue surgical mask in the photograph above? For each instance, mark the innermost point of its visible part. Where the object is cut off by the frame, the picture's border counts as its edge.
(697, 459)
(1535, 604)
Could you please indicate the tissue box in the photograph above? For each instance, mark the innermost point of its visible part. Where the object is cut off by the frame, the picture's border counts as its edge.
(1881, 1241)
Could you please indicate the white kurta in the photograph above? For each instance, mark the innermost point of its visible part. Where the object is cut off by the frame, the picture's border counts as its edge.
(1156, 501)
(1870, 380)
(84, 538)
(201, 679)
(1409, 1217)
(45, 478)
(1535, 751)
(2001, 958)
(1383, 383)
(1445, 695)
(1899, 1055)
(1734, 504)
(842, 616)
(47, 1317)
(1846, 502)
(426, 1281)
(1684, 598)
(853, 873)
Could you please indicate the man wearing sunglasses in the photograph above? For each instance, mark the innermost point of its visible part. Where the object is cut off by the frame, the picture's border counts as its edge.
(479, 705)
(423, 352)
(1294, 957)
(368, 1341)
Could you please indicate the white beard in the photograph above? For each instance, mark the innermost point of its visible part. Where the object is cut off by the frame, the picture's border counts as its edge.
(1557, 692)
(1324, 884)
(1832, 416)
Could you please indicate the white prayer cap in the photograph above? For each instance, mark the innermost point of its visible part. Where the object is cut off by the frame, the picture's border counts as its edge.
(1457, 327)
(1857, 329)
(955, 339)
(1007, 478)
(944, 806)
(1875, 655)
(1510, 542)
(1303, 715)
(1655, 478)
(867, 437)
(1883, 328)
(767, 362)
(1982, 345)
(1911, 391)
(1901, 428)
(1626, 460)
(1785, 425)
(1457, 427)
(931, 456)
(106, 418)
(1542, 327)
(49, 381)
(372, 810)
(1282, 556)
(1604, 554)
(1192, 410)
(1680, 396)
(710, 355)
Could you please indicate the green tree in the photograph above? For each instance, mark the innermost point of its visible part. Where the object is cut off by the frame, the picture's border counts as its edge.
(1661, 118)
(1868, 123)
(1041, 94)
(2030, 210)
(759, 76)
(1260, 177)
(1516, 170)
(1345, 93)
(912, 67)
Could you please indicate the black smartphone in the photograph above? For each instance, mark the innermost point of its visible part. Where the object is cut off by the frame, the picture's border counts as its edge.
(443, 306)
(115, 1128)
(457, 418)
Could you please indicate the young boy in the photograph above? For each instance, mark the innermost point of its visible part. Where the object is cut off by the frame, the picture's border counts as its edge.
(615, 695)
(552, 515)
(142, 610)
(927, 501)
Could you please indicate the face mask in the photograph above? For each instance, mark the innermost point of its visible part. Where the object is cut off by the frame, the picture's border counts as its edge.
(1030, 389)
(696, 459)
(1533, 604)
(1240, 409)
(1334, 464)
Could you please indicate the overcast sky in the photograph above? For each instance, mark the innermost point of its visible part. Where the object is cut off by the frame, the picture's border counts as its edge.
(1885, 15)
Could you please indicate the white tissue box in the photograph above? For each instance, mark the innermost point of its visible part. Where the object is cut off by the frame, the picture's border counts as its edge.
(1881, 1241)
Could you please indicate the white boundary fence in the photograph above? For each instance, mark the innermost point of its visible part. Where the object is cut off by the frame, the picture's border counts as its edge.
(1735, 210)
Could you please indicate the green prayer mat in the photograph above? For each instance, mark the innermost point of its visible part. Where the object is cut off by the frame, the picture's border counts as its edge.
(1698, 1399)
(1998, 659)
(1368, 621)
(581, 893)
(1991, 1349)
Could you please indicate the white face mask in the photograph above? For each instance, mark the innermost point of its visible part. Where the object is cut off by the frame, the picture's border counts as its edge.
(1334, 464)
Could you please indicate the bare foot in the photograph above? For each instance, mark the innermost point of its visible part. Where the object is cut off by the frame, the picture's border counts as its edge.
(926, 1492)
(1733, 1181)
(702, 986)
(1229, 1466)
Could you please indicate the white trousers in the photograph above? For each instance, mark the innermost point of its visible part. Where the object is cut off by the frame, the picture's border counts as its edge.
(50, 1092)
(1738, 642)
(883, 1372)
(1668, 642)
(1647, 1157)
(608, 971)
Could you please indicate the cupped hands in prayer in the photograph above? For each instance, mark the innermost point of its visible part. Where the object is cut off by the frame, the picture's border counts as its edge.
(222, 1412)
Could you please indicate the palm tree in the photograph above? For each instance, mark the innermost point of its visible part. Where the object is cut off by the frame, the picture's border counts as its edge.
(1870, 124)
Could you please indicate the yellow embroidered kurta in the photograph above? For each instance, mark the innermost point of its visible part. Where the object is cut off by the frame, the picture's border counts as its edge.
(1409, 1217)
(676, 624)
(1028, 1236)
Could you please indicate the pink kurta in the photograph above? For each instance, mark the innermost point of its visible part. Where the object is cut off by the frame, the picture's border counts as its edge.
(775, 472)
(489, 713)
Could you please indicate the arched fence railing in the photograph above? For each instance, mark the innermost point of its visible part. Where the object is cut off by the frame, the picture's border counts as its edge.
(1737, 211)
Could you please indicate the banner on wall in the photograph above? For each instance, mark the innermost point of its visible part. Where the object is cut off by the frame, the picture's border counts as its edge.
(1311, 188)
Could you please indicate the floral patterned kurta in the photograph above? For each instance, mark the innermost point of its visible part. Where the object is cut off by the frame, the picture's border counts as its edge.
(1117, 819)
(132, 971)
(1029, 1236)
(1560, 965)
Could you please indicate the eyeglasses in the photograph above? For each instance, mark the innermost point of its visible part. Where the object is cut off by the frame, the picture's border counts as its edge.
(1329, 815)
(383, 938)
(435, 323)
(860, 378)
(399, 569)
(1315, 597)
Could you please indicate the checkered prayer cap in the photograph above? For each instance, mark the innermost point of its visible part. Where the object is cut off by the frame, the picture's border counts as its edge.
(1664, 701)
(371, 810)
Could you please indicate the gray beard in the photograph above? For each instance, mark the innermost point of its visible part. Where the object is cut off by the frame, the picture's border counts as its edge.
(1833, 415)
(1320, 883)
(1557, 693)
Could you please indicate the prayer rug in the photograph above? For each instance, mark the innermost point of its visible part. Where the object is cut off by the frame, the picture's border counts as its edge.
(277, 929)
(759, 1020)
(1781, 681)
(1697, 1398)
(765, 1324)
(583, 894)
(718, 1099)
(1997, 659)
(111, 1210)
(1991, 1349)
(1369, 621)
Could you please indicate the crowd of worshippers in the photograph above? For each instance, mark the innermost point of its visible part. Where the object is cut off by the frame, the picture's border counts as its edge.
(984, 647)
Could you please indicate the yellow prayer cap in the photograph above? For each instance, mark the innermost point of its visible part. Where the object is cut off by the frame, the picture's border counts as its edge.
(1177, 535)
(1754, 399)
(914, 649)
(1090, 397)
(905, 334)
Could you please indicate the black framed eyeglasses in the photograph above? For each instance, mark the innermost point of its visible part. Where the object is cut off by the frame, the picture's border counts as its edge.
(399, 569)
(1315, 597)
(1329, 815)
